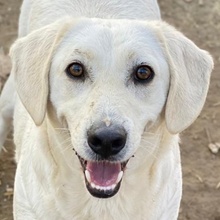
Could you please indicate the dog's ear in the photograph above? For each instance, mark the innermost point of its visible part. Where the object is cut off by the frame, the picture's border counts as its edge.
(31, 60)
(190, 70)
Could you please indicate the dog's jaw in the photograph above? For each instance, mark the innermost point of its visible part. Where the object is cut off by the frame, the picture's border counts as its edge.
(102, 177)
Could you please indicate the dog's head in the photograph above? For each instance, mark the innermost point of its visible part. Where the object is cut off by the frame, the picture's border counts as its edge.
(108, 81)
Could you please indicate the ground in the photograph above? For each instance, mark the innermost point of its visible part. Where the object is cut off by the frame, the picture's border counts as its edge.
(200, 21)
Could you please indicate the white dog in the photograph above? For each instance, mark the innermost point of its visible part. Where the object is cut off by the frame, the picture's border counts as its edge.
(102, 90)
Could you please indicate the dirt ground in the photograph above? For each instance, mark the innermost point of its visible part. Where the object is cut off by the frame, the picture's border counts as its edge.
(200, 21)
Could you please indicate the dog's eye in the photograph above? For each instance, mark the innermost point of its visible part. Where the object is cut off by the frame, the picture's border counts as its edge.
(144, 73)
(75, 70)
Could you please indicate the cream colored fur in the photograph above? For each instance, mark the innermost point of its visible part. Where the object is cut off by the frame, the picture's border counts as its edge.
(52, 112)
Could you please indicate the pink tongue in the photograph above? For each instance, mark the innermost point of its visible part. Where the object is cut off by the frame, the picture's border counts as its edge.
(103, 173)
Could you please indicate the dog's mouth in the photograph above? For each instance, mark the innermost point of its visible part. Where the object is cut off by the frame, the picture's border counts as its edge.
(103, 178)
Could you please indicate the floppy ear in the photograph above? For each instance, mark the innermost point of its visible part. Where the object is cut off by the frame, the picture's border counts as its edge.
(190, 69)
(31, 60)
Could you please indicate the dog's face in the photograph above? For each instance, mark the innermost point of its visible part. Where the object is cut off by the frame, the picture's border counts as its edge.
(108, 81)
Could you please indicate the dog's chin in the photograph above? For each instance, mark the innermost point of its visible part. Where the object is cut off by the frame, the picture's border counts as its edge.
(102, 177)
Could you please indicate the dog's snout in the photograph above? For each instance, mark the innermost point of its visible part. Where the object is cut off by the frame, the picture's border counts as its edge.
(107, 141)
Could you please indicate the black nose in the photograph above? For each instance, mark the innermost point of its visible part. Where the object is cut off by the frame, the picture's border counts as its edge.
(107, 141)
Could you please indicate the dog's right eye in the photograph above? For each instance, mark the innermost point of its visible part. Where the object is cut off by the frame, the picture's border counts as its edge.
(75, 70)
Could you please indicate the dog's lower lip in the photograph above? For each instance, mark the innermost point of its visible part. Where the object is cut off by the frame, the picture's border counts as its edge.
(104, 189)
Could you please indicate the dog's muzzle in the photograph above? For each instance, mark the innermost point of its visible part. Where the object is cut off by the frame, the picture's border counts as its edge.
(103, 176)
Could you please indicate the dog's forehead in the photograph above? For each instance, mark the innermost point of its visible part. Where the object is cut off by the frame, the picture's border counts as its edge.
(100, 35)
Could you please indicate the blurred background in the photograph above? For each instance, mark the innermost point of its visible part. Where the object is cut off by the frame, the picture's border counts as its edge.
(199, 20)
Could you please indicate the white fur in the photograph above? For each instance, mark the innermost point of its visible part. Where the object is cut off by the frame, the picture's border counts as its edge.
(52, 112)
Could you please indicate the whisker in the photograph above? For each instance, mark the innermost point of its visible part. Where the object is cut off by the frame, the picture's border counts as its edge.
(62, 129)
(150, 153)
(66, 141)
(148, 143)
(150, 133)
(68, 147)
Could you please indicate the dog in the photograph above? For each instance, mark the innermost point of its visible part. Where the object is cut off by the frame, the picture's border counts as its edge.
(98, 93)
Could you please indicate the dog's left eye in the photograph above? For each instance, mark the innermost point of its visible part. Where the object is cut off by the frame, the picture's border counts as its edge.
(75, 70)
(144, 73)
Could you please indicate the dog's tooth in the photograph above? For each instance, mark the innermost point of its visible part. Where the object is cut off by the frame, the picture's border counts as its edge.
(97, 187)
(120, 175)
(104, 188)
(93, 185)
(88, 177)
(113, 186)
(107, 188)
